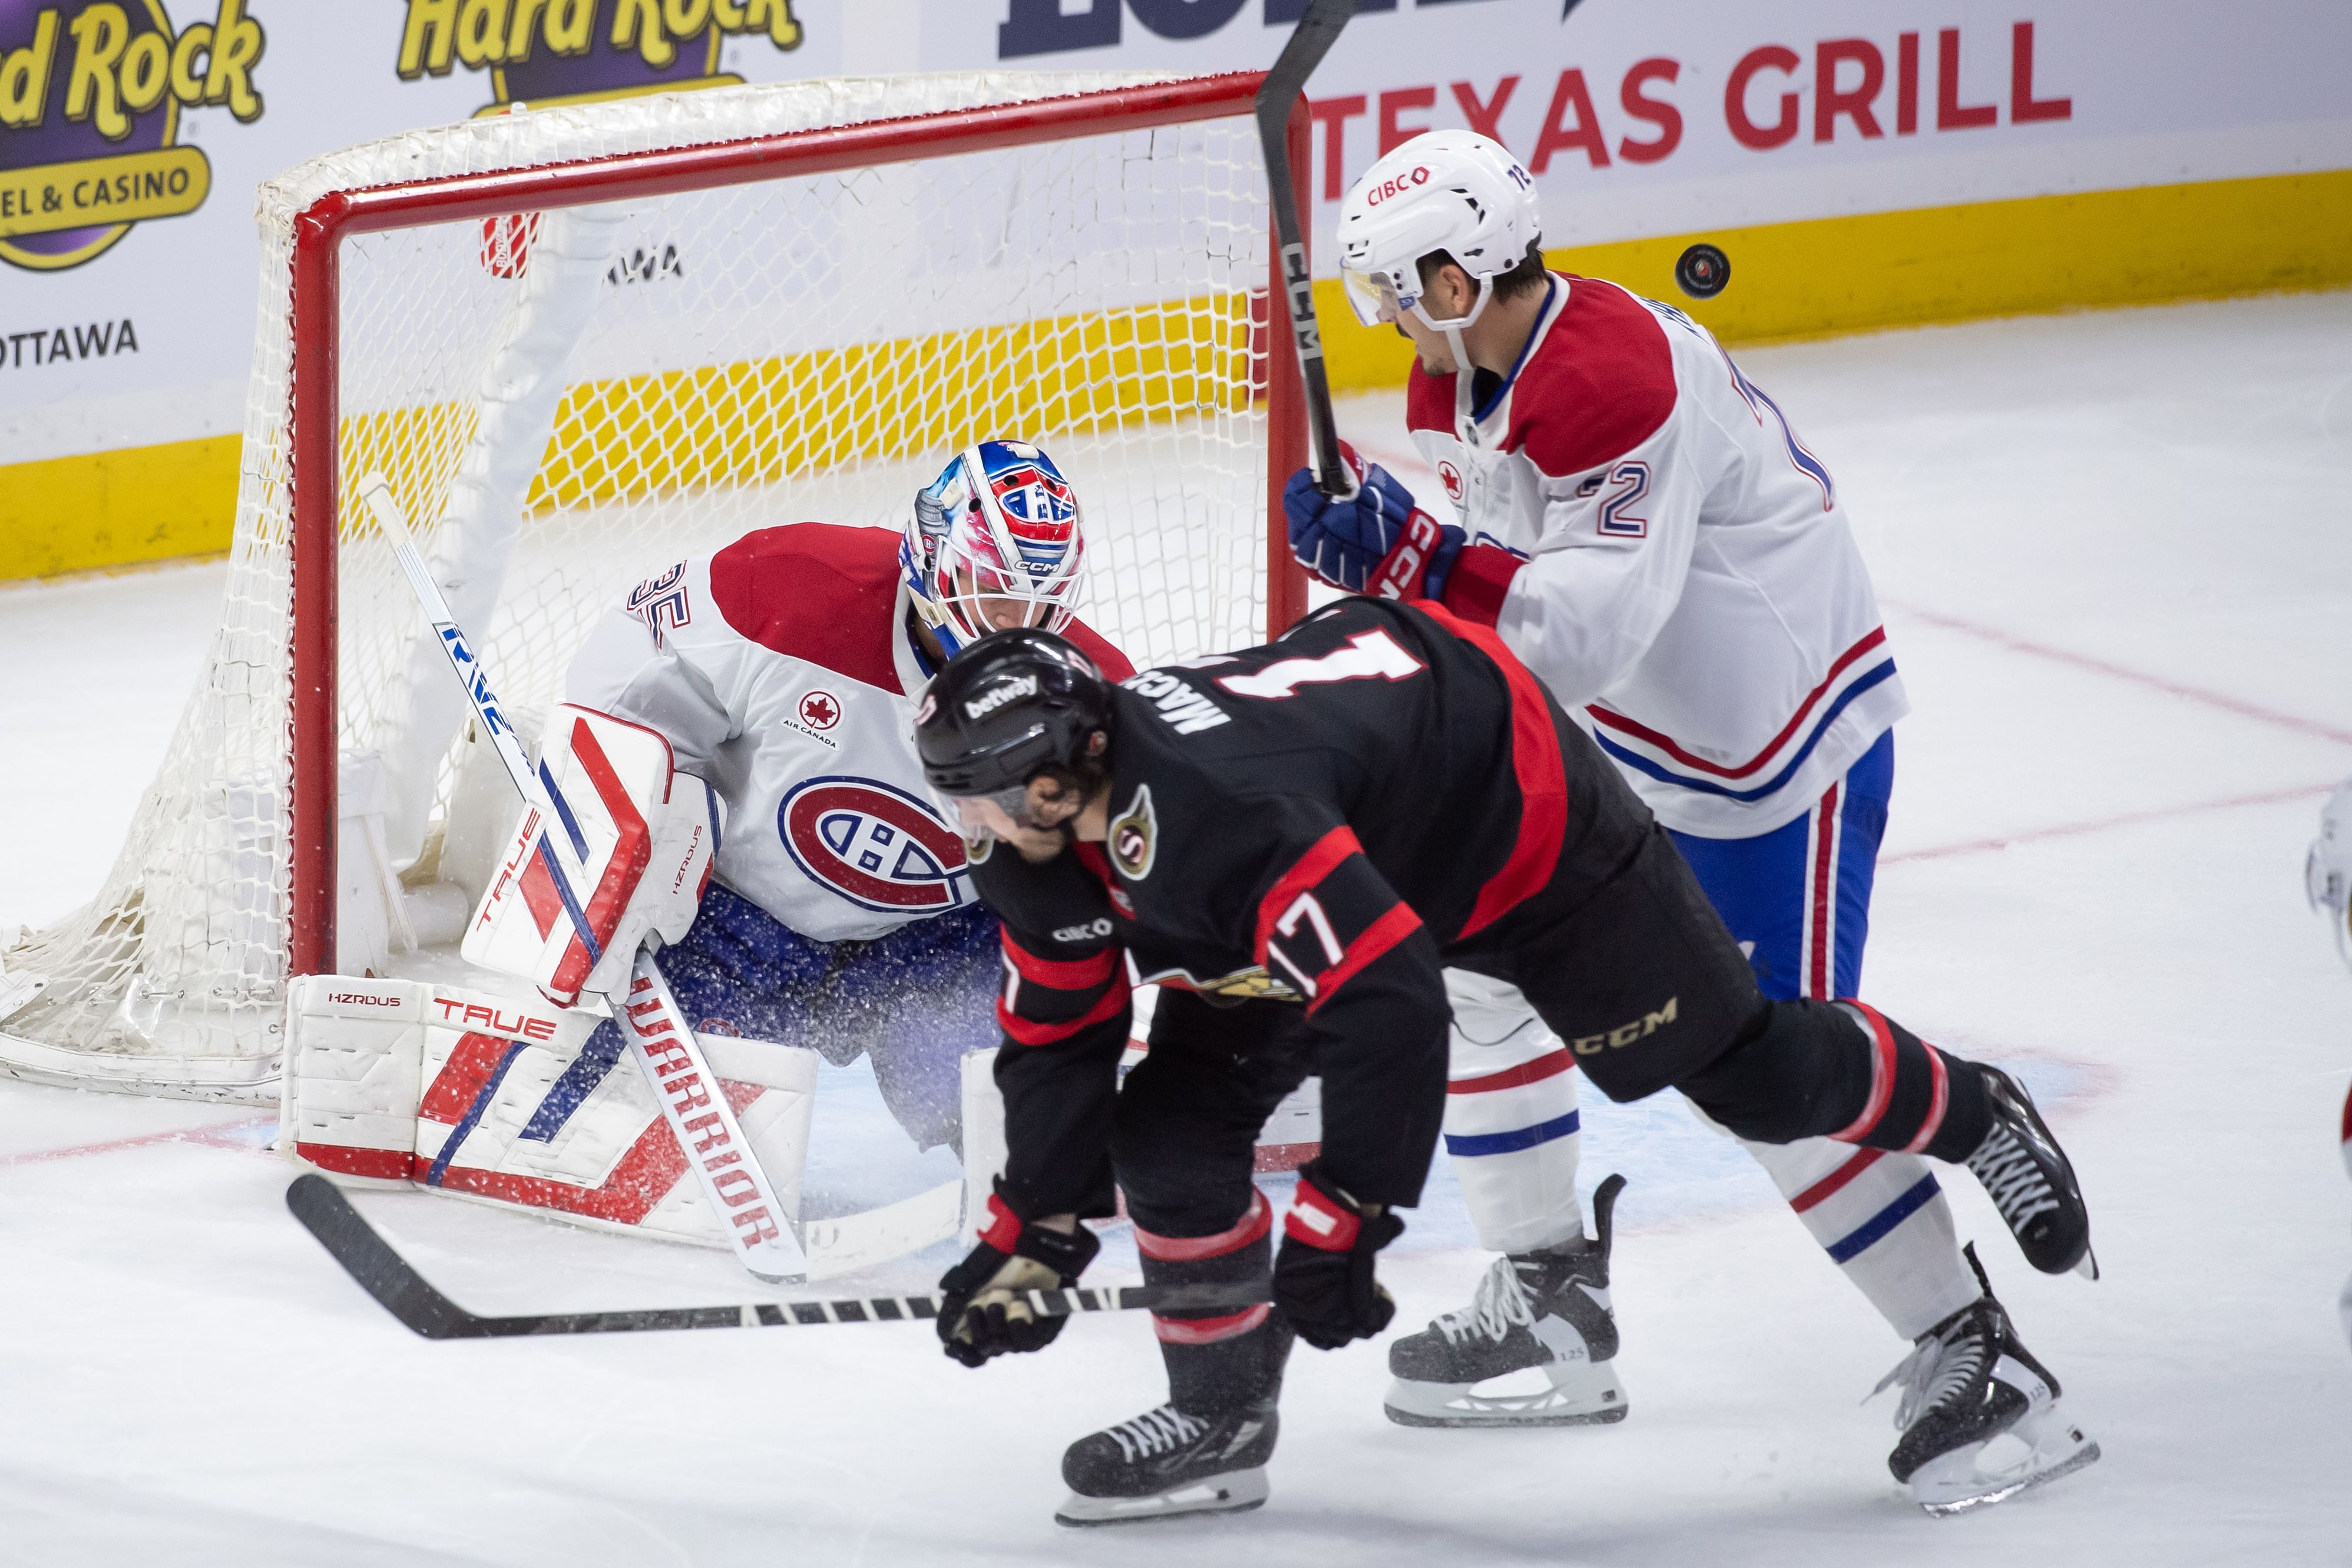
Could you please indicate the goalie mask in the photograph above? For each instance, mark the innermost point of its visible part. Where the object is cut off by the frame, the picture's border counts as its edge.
(1006, 708)
(994, 543)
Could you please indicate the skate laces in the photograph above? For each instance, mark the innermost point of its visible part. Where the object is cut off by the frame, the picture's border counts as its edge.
(1941, 1369)
(1500, 1301)
(1154, 1432)
(2015, 1179)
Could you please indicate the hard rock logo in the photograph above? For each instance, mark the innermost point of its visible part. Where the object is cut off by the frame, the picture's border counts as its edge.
(543, 52)
(91, 94)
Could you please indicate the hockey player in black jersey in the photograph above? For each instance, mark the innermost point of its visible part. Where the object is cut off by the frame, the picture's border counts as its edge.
(1294, 841)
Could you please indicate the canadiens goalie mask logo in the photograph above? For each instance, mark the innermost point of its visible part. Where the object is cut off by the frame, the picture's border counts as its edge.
(878, 846)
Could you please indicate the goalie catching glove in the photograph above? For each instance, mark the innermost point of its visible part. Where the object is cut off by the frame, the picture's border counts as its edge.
(1376, 541)
(981, 1312)
(624, 856)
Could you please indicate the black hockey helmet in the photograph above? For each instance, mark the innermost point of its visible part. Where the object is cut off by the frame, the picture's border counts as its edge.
(1006, 707)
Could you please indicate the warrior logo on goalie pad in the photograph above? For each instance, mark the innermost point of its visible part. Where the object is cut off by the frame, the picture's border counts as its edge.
(879, 847)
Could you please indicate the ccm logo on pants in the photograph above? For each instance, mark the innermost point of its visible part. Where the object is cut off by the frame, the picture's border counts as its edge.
(1626, 1034)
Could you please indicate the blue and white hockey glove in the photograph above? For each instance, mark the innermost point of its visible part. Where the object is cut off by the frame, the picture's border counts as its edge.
(1376, 542)
(980, 1310)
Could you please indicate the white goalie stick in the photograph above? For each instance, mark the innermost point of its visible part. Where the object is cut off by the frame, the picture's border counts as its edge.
(1316, 31)
(742, 1200)
(399, 1290)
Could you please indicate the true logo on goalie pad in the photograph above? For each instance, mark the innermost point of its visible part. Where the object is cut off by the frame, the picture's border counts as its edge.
(879, 847)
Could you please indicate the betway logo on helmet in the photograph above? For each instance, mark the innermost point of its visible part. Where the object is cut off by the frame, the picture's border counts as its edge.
(997, 696)
(1397, 185)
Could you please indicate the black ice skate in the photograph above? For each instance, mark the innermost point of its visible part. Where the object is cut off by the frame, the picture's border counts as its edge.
(1979, 1416)
(1534, 1348)
(1166, 1462)
(2031, 1182)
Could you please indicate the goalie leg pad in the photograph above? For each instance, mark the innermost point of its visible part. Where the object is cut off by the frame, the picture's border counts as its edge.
(517, 1104)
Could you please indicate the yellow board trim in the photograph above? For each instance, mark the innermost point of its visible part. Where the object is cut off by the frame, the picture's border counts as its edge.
(1818, 279)
(115, 509)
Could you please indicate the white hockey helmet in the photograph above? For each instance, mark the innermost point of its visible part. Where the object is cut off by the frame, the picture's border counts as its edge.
(1453, 191)
(1001, 522)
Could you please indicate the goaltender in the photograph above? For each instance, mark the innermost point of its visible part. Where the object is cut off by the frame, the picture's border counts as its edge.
(1295, 840)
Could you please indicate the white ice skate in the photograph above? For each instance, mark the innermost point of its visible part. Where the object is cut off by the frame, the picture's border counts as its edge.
(1980, 1416)
(1533, 1348)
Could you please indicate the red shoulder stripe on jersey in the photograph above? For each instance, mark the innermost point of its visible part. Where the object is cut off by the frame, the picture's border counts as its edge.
(1095, 645)
(1480, 581)
(1428, 400)
(1023, 1032)
(1551, 1064)
(1542, 773)
(816, 591)
(1305, 872)
(1060, 974)
(1375, 940)
(1838, 667)
(1599, 384)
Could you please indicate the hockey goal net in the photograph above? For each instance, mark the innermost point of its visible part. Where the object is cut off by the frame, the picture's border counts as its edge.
(584, 343)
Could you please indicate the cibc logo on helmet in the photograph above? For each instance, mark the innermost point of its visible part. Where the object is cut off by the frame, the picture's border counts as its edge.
(1397, 185)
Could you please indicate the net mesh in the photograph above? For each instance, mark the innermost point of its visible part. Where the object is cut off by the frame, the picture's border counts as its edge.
(565, 403)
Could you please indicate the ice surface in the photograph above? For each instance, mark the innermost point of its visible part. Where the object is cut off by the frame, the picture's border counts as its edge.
(2116, 555)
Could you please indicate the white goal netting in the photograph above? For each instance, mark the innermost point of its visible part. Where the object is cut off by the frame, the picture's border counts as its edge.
(567, 402)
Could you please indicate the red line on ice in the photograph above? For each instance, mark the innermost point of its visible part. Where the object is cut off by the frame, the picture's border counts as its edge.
(2100, 825)
(217, 1137)
(2219, 700)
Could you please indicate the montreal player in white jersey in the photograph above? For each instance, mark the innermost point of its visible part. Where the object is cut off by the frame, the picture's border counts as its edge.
(783, 669)
(1646, 530)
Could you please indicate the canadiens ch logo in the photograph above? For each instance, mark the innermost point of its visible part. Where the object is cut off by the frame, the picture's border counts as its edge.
(1135, 836)
(91, 95)
(820, 710)
(878, 846)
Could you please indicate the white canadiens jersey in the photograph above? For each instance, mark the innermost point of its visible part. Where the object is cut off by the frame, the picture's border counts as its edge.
(779, 670)
(1678, 567)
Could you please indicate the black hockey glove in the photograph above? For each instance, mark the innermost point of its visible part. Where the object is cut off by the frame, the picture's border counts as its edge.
(1323, 1277)
(981, 1312)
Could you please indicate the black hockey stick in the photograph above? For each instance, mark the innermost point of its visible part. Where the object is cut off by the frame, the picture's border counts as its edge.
(408, 1296)
(1318, 30)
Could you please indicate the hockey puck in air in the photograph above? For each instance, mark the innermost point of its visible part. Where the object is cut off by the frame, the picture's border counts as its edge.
(1702, 271)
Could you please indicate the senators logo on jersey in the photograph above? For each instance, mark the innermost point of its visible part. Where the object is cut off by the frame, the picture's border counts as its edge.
(879, 847)
(1135, 836)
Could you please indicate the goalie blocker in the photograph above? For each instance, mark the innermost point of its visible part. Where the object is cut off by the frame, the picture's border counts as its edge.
(644, 836)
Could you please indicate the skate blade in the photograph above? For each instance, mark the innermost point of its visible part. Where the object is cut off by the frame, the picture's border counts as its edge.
(1570, 1394)
(2089, 1268)
(1236, 1491)
(1953, 1484)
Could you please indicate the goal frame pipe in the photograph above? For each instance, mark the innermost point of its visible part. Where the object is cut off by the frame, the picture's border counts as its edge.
(314, 391)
